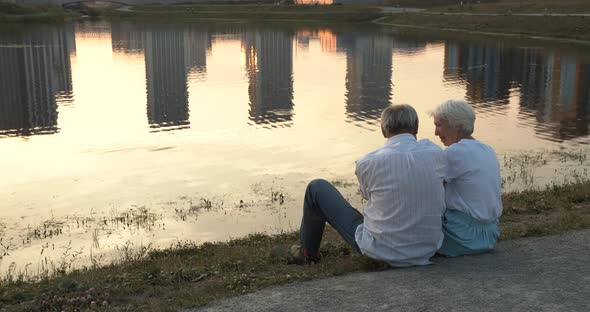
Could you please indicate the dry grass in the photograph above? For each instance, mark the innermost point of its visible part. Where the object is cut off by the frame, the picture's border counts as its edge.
(558, 208)
(186, 275)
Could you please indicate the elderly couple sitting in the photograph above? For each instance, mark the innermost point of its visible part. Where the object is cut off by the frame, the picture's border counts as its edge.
(421, 200)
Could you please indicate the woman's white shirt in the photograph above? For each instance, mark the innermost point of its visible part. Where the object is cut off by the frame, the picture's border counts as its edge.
(473, 180)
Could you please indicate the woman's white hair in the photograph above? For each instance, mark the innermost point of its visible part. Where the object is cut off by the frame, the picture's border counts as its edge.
(399, 118)
(458, 113)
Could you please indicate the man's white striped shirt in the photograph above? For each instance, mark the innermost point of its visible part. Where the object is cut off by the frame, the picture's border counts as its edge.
(403, 183)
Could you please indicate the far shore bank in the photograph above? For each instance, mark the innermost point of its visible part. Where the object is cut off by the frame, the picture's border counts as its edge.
(572, 29)
(503, 19)
(190, 275)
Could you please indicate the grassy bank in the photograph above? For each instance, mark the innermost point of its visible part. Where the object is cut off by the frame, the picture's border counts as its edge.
(574, 28)
(158, 12)
(190, 275)
(507, 22)
(266, 12)
(518, 6)
(18, 13)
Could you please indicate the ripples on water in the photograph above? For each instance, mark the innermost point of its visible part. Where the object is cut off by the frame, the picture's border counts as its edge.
(157, 132)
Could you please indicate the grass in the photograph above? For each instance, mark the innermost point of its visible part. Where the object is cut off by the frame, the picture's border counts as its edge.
(506, 23)
(577, 28)
(19, 13)
(519, 6)
(266, 12)
(188, 275)
(570, 28)
(554, 210)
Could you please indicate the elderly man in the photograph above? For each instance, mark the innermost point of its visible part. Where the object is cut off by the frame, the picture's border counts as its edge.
(403, 184)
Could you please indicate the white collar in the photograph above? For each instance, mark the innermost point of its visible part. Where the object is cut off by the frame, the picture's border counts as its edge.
(404, 137)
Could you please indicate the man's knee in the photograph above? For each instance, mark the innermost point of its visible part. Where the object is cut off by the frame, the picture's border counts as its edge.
(317, 184)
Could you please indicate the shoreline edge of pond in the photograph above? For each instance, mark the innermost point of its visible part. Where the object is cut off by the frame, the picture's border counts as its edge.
(191, 275)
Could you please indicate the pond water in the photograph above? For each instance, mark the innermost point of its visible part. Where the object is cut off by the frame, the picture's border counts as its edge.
(120, 137)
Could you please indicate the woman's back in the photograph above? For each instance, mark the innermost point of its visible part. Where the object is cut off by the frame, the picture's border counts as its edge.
(473, 180)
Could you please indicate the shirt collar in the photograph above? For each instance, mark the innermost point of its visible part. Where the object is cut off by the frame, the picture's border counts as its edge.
(404, 137)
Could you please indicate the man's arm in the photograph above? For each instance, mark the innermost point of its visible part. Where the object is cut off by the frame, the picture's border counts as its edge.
(362, 185)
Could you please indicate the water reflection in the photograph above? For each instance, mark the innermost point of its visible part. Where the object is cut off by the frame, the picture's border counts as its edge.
(408, 47)
(328, 40)
(269, 66)
(173, 54)
(166, 75)
(555, 91)
(485, 70)
(127, 38)
(552, 86)
(368, 74)
(35, 78)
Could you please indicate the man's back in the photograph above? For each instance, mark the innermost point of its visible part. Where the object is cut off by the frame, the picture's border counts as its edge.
(403, 183)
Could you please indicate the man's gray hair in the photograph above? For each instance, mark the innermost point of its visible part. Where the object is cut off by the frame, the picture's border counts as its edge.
(399, 118)
(458, 113)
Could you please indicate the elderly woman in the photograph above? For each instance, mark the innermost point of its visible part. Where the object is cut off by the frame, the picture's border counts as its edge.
(472, 183)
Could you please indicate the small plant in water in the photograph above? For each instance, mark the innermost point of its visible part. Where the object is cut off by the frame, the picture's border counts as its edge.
(4, 249)
(277, 197)
(129, 253)
(69, 256)
(206, 203)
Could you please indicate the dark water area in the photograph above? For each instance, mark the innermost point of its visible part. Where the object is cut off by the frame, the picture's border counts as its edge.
(35, 76)
(554, 87)
(124, 133)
